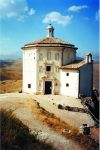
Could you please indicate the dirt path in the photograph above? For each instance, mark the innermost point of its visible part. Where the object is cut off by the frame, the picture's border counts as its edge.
(21, 104)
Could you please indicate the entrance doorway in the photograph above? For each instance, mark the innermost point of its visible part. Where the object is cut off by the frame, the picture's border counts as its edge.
(48, 87)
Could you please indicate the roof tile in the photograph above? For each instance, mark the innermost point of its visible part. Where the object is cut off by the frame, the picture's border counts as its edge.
(75, 65)
(49, 41)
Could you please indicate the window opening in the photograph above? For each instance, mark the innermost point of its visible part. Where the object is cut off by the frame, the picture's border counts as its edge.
(67, 84)
(29, 85)
(67, 74)
(48, 68)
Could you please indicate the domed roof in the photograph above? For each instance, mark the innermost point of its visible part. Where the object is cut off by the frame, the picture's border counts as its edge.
(49, 42)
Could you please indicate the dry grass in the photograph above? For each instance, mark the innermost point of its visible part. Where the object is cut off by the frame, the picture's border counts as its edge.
(6, 74)
(58, 125)
(11, 71)
(11, 77)
(16, 136)
(52, 121)
(8, 86)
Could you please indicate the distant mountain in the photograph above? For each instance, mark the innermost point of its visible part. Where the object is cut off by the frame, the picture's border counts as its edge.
(79, 58)
(10, 70)
(96, 61)
(4, 63)
(10, 57)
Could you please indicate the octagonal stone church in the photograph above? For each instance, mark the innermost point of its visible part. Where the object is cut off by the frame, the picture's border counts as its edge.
(50, 67)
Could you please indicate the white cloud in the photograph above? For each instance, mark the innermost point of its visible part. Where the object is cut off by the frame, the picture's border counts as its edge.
(22, 18)
(75, 8)
(31, 12)
(11, 8)
(97, 17)
(14, 8)
(11, 14)
(58, 18)
(26, 8)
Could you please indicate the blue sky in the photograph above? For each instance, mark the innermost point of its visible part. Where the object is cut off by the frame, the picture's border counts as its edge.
(23, 21)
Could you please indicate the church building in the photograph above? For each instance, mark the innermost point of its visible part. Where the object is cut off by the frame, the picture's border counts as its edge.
(50, 67)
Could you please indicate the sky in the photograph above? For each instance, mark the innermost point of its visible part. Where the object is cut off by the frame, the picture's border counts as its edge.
(75, 21)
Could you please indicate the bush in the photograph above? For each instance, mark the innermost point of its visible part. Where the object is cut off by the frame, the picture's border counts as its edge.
(67, 108)
(38, 104)
(20, 91)
(60, 106)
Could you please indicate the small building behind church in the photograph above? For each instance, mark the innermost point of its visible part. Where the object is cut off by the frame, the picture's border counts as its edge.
(50, 67)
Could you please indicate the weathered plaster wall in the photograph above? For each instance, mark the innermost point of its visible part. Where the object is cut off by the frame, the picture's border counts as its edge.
(53, 75)
(73, 83)
(69, 55)
(86, 79)
(30, 70)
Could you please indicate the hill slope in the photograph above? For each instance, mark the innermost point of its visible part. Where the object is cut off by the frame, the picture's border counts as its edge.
(11, 76)
(10, 70)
